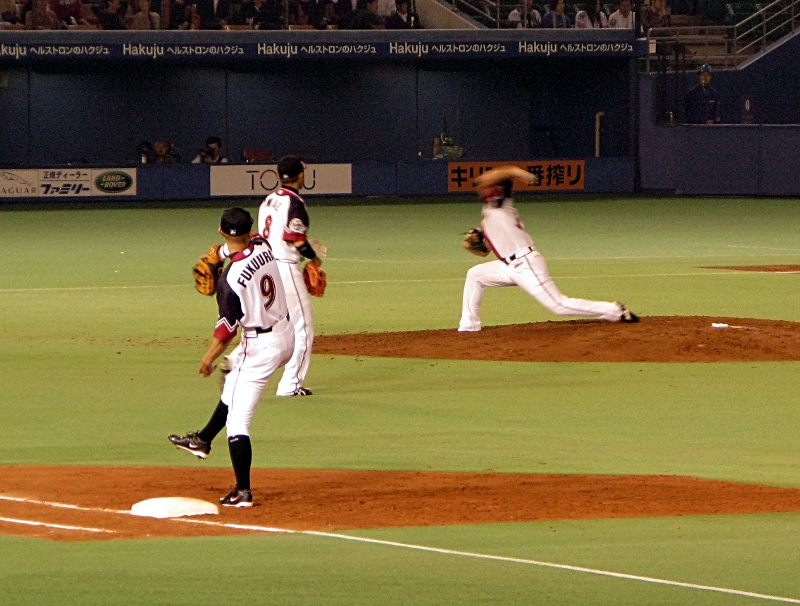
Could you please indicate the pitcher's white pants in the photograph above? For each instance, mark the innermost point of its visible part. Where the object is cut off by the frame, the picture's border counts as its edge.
(254, 361)
(531, 275)
(299, 303)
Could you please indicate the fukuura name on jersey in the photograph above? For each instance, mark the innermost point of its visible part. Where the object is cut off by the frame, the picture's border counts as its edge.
(249, 270)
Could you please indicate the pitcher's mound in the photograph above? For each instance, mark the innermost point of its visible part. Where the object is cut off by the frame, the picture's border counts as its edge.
(654, 339)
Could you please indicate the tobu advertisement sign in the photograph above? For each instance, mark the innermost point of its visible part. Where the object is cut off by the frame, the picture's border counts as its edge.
(261, 179)
(554, 175)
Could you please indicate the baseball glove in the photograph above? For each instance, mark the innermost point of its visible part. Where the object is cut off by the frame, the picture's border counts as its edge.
(475, 243)
(207, 271)
(315, 279)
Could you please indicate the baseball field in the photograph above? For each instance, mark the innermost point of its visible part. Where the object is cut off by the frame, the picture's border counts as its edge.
(543, 461)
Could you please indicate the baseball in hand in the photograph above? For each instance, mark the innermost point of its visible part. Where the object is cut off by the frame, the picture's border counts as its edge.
(319, 248)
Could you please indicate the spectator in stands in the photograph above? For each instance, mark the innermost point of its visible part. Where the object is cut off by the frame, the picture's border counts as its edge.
(320, 13)
(386, 8)
(401, 18)
(701, 104)
(111, 15)
(524, 16)
(364, 17)
(211, 152)
(654, 15)
(263, 14)
(41, 16)
(143, 17)
(623, 17)
(556, 17)
(179, 15)
(213, 14)
(591, 17)
(164, 152)
(69, 12)
(298, 12)
(8, 11)
(342, 8)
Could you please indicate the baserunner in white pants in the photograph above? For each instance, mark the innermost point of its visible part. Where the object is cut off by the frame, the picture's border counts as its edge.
(518, 262)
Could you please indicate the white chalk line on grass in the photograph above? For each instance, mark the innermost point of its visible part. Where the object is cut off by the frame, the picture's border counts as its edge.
(409, 281)
(439, 550)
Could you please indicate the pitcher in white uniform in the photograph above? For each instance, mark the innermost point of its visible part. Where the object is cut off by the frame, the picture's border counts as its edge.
(518, 262)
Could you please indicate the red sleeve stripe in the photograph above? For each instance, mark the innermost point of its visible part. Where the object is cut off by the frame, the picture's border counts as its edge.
(293, 236)
(224, 331)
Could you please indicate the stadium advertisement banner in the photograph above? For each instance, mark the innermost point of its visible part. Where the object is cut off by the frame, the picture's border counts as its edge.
(554, 175)
(67, 182)
(261, 179)
(316, 48)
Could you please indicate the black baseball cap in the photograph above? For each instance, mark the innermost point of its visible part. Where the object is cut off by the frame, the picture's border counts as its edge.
(290, 167)
(236, 221)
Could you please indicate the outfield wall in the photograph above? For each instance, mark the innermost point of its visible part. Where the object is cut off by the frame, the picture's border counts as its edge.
(199, 182)
(725, 159)
(335, 96)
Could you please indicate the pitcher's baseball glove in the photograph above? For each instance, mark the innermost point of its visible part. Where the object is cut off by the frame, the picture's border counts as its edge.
(475, 243)
(207, 271)
(315, 279)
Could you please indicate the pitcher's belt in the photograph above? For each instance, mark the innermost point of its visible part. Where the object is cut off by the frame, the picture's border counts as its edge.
(522, 252)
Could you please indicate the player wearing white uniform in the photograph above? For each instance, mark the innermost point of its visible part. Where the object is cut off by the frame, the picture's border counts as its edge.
(249, 294)
(283, 221)
(519, 263)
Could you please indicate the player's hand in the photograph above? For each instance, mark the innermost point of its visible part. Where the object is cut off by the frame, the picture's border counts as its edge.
(207, 367)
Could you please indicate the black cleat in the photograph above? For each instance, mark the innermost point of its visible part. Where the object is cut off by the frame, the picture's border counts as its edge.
(237, 498)
(192, 443)
(627, 315)
(300, 391)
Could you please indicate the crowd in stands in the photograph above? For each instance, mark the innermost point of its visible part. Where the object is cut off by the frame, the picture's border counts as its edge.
(589, 14)
(208, 14)
(338, 14)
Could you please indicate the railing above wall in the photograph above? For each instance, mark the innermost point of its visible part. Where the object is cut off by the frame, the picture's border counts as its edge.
(722, 46)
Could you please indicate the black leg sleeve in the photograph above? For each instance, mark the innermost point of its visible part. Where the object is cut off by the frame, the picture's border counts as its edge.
(215, 424)
(242, 458)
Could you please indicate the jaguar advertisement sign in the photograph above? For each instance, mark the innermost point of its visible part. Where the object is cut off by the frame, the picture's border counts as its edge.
(67, 182)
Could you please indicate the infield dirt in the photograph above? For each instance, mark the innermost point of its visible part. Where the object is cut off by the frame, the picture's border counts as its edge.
(99, 498)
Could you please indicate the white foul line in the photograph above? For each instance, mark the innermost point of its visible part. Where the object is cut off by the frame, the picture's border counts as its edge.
(468, 554)
(58, 526)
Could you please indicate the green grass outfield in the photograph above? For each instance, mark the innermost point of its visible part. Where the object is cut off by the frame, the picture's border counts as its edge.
(103, 332)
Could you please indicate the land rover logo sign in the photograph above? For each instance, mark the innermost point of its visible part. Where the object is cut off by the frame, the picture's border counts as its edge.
(113, 181)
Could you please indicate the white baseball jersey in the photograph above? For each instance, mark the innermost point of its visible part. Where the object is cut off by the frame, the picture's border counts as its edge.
(283, 220)
(504, 230)
(618, 21)
(250, 293)
(520, 264)
(582, 20)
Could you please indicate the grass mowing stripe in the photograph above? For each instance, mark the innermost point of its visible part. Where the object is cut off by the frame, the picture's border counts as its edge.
(452, 552)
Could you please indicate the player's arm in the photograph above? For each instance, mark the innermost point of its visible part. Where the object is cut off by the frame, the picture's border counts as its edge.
(230, 312)
(502, 173)
(215, 350)
(296, 232)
